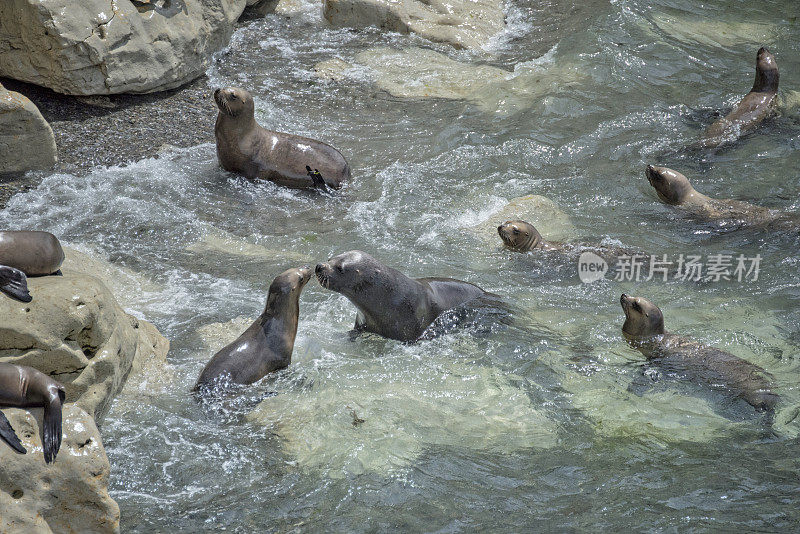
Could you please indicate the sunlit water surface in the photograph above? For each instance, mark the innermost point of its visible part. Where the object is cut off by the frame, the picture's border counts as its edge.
(487, 425)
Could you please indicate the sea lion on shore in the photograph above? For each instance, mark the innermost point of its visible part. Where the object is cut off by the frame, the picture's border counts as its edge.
(674, 188)
(644, 330)
(267, 344)
(390, 303)
(752, 109)
(25, 387)
(290, 160)
(26, 253)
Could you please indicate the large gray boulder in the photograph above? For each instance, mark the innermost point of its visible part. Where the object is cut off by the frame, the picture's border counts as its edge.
(96, 47)
(461, 23)
(26, 139)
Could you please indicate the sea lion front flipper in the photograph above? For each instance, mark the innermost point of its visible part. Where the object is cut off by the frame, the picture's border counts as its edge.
(58, 273)
(9, 436)
(14, 283)
(51, 431)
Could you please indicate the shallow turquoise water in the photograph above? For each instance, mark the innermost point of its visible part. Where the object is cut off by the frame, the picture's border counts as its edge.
(489, 426)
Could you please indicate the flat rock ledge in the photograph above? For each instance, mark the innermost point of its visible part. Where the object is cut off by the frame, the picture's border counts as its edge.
(461, 23)
(75, 331)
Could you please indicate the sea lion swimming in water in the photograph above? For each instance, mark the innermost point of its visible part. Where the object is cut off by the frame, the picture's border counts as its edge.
(26, 253)
(752, 109)
(522, 236)
(390, 303)
(266, 345)
(644, 330)
(675, 189)
(290, 160)
(25, 387)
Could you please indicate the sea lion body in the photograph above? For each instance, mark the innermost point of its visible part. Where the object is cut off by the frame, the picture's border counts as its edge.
(752, 109)
(286, 159)
(25, 387)
(390, 303)
(522, 236)
(26, 253)
(267, 344)
(675, 189)
(644, 331)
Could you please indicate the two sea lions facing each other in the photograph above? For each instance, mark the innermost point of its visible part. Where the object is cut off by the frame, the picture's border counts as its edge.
(290, 160)
(644, 330)
(752, 109)
(25, 387)
(674, 188)
(26, 253)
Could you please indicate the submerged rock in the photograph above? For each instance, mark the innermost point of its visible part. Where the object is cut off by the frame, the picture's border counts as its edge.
(461, 23)
(423, 73)
(551, 221)
(26, 139)
(370, 424)
(69, 495)
(101, 47)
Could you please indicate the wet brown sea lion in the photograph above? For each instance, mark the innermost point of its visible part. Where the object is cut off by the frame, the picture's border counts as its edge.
(27, 253)
(752, 109)
(390, 303)
(522, 236)
(644, 331)
(675, 189)
(267, 344)
(25, 387)
(290, 160)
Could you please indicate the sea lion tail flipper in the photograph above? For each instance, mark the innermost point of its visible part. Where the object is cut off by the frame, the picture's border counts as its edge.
(58, 273)
(14, 283)
(316, 177)
(51, 433)
(9, 436)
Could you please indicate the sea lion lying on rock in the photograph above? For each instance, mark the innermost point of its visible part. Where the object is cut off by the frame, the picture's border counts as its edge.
(675, 189)
(290, 160)
(27, 253)
(390, 303)
(25, 387)
(644, 331)
(267, 345)
(752, 109)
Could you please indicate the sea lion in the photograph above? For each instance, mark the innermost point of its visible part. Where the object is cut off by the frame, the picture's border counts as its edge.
(25, 387)
(522, 236)
(27, 253)
(675, 189)
(390, 303)
(644, 330)
(267, 344)
(245, 147)
(752, 109)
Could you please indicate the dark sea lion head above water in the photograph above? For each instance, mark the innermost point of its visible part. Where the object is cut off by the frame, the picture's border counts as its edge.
(671, 186)
(643, 319)
(285, 289)
(353, 274)
(519, 236)
(767, 74)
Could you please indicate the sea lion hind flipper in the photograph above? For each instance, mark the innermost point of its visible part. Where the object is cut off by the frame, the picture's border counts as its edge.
(9, 436)
(14, 283)
(51, 430)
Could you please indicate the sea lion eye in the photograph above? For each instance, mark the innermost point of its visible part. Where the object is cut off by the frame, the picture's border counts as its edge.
(636, 306)
(340, 268)
(516, 232)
